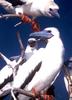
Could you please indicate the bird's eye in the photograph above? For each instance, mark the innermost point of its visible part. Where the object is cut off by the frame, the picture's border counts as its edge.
(49, 31)
(50, 9)
(32, 43)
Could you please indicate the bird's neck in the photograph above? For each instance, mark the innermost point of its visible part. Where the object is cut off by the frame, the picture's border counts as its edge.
(54, 43)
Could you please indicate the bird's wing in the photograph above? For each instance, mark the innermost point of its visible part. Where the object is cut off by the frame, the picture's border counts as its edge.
(7, 70)
(7, 6)
(26, 69)
(5, 73)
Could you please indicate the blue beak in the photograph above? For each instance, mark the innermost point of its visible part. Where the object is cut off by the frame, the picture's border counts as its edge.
(55, 13)
(41, 35)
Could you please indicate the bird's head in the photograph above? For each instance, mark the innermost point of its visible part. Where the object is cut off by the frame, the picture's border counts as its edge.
(52, 9)
(32, 42)
(46, 34)
(52, 30)
(43, 35)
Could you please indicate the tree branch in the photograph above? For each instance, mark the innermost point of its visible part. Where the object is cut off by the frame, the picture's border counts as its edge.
(27, 93)
(8, 15)
(21, 44)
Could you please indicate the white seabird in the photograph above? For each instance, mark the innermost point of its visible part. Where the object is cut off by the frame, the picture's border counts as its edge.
(7, 72)
(46, 62)
(34, 45)
(31, 48)
(32, 8)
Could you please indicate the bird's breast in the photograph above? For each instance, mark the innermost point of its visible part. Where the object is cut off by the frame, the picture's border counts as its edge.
(31, 10)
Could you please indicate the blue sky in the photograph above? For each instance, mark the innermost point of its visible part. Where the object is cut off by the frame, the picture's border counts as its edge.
(9, 44)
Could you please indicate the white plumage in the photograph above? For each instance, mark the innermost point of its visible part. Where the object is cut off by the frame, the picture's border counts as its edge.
(31, 48)
(51, 58)
(31, 7)
(7, 70)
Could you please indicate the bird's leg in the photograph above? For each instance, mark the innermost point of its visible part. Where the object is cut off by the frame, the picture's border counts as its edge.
(45, 96)
(35, 26)
(49, 94)
(35, 93)
(25, 18)
(42, 96)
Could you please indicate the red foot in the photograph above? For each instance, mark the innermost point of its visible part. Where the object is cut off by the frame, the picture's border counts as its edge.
(47, 97)
(35, 93)
(43, 96)
(25, 19)
(35, 25)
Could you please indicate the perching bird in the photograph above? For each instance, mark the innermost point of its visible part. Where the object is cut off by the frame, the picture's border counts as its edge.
(45, 64)
(29, 51)
(68, 76)
(7, 70)
(31, 48)
(32, 8)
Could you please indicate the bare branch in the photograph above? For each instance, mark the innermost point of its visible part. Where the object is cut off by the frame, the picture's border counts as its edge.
(19, 23)
(5, 58)
(21, 44)
(27, 93)
(8, 15)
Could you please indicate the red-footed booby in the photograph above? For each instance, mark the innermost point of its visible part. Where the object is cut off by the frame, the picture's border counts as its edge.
(31, 7)
(46, 63)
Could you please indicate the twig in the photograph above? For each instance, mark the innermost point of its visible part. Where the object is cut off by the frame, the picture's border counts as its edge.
(21, 45)
(9, 15)
(27, 93)
(19, 23)
(24, 92)
(5, 58)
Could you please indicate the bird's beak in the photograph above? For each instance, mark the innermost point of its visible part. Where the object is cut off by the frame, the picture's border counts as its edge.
(54, 12)
(42, 35)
